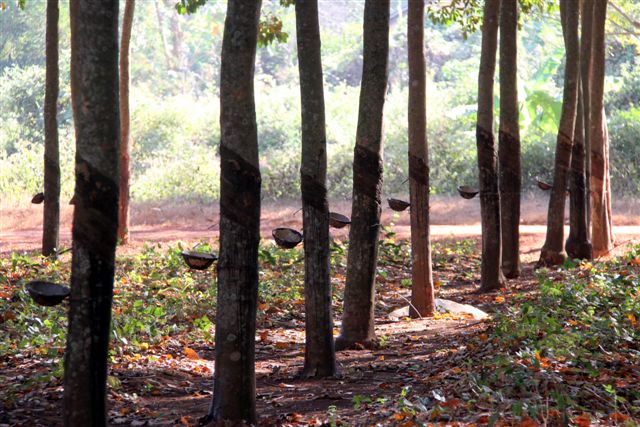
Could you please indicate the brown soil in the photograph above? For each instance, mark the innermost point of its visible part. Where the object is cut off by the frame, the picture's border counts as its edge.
(176, 390)
(20, 225)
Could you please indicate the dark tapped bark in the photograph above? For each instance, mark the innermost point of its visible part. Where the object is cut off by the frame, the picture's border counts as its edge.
(578, 244)
(319, 355)
(94, 90)
(234, 396)
(509, 140)
(491, 277)
(552, 251)
(51, 222)
(125, 122)
(422, 292)
(358, 318)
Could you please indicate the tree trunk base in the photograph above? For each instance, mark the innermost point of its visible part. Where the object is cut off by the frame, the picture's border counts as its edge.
(510, 271)
(579, 250)
(550, 258)
(317, 372)
(343, 343)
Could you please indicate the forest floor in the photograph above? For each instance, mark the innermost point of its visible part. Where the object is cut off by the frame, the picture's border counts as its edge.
(552, 367)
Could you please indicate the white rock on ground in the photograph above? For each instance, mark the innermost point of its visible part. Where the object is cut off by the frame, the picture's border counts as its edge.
(444, 306)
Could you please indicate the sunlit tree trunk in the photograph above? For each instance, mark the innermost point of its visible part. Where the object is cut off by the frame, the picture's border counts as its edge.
(234, 395)
(422, 294)
(358, 317)
(123, 208)
(509, 140)
(552, 251)
(491, 277)
(94, 90)
(600, 197)
(51, 223)
(319, 352)
(586, 35)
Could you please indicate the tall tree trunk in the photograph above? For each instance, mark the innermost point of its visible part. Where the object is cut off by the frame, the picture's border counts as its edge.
(586, 35)
(234, 396)
(125, 122)
(491, 277)
(94, 90)
(578, 244)
(51, 222)
(422, 294)
(509, 140)
(601, 226)
(359, 296)
(319, 351)
(552, 251)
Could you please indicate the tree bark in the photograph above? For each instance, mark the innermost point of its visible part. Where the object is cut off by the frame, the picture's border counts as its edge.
(509, 140)
(51, 220)
(125, 122)
(319, 354)
(578, 244)
(586, 35)
(94, 90)
(234, 397)
(491, 277)
(358, 316)
(422, 293)
(600, 199)
(552, 251)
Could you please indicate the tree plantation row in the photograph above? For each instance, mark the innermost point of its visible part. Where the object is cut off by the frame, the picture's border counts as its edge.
(99, 74)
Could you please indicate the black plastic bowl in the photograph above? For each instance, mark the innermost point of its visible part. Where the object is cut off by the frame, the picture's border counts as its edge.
(198, 260)
(47, 293)
(398, 205)
(37, 198)
(543, 185)
(468, 192)
(337, 220)
(287, 238)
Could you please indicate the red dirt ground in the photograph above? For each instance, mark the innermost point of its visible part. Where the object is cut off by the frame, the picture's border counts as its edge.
(20, 224)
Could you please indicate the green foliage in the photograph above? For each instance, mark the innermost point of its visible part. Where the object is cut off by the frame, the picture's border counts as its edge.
(624, 134)
(583, 326)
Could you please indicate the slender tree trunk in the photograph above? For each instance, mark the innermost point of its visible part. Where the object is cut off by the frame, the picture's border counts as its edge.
(586, 78)
(422, 294)
(319, 354)
(358, 317)
(601, 231)
(509, 140)
(234, 396)
(163, 40)
(94, 90)
(552, 251)
(578, 244)
(51, 223)
(125, 122)
(491, 274)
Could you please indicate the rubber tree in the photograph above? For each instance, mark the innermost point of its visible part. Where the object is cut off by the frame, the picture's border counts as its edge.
(358, 316)
(319, 354)
(51, 220)
(602, 235)
(422, 293)
(552, 251)
(234, 395)
(125, 121)
(586, 35)
(509, 140)
(491, 277)
(94, 95)
(578, 244)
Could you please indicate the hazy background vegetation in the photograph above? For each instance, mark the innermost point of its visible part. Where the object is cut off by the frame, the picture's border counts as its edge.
(175, 62)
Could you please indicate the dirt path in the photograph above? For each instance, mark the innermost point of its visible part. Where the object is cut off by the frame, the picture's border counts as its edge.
(20, 225)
